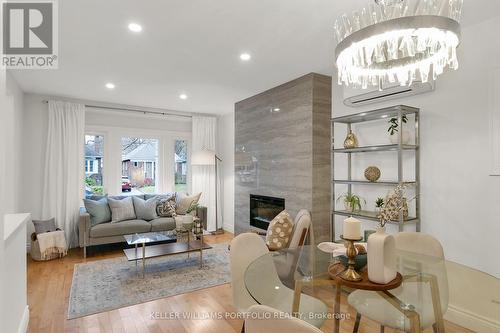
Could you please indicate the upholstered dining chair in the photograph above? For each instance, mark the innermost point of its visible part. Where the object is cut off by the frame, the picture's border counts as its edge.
(264, 319)
(302, 233)
(428, 294)
(247, 247)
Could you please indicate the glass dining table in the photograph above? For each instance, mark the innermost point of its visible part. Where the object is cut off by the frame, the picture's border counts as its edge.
(280, 279)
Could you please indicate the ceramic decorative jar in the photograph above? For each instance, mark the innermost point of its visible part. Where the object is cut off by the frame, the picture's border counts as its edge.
(350, 141)
(381, 257)
(372, 173)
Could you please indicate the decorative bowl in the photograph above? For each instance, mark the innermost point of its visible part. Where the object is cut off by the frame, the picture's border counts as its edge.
(372, 173)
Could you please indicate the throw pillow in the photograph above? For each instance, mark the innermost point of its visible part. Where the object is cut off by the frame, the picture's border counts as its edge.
(98, 210)
(42, 226)
(185, 202)
(145, 209)
(279, 231)
(121, 210)
(166, 208)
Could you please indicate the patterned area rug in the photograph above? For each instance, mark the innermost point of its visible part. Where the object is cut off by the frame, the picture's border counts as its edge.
(114, 283)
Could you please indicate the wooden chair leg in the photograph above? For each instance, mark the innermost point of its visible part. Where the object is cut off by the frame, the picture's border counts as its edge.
(382, 328)
(356, 324)
(243, 328)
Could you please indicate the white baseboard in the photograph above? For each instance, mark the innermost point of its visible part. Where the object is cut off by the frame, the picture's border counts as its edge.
(229, 228)
(471, 320)
(23, 325)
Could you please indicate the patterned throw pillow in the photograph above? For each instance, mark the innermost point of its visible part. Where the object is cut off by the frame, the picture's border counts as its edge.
(166, 208)
(185, 202)
(279, 231)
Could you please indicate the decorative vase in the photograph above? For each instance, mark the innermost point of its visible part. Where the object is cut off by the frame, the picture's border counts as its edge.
(350, 141)
(395, 137)
(381, 257)
(372, 173)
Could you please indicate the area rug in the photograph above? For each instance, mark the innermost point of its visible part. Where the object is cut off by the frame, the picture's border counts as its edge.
(114, 283)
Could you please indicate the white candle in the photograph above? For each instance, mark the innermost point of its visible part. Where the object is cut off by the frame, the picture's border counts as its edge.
(352, 228)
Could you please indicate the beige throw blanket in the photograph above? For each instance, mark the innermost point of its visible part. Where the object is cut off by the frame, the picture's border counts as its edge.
(52, 243)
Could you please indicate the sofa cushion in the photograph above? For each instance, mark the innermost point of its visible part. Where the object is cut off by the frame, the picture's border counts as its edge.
(166, 196)
(162, 224)
(185, 203)
(119, 228)
(145, 209)
(120, 197)
(98, 210)
(121, 210)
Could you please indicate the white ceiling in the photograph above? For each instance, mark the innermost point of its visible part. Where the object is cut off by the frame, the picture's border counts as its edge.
(193, 47)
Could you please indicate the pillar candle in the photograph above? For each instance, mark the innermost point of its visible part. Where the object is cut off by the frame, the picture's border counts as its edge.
(352, 228)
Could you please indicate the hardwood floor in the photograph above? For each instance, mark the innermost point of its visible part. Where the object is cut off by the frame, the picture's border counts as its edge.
(49, 285)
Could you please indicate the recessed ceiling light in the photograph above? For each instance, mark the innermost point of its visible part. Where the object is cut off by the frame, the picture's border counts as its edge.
(183, 96)
(245, 56)
(135, 27)
(363, 114)
(384, 116)
(110, 85)
(276, 109)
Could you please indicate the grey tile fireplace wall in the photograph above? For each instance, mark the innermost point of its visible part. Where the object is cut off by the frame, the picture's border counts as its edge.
(282, 149)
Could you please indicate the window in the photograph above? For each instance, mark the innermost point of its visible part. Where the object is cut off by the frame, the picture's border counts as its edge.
(180, 162)
(139, 165)
(94, 155)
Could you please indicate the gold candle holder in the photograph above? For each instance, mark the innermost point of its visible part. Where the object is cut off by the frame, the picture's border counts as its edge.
(350, 273)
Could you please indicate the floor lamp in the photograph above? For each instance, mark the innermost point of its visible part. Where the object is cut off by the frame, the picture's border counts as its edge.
(208, 157)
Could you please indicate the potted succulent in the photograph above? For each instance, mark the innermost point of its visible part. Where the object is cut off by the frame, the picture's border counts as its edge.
(379, 203)
(394, 129)
(352, 202)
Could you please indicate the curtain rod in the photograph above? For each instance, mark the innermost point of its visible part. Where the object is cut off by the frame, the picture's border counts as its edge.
(132, 110)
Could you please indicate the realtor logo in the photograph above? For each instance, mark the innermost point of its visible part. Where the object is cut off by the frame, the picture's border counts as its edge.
(29, 34)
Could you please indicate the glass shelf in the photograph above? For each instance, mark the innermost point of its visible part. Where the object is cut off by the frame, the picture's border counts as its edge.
(365, 182)
(379, 114)
(375, 148)
(372, 216)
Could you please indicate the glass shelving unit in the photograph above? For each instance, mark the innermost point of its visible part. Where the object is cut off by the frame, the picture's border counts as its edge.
(397, 111)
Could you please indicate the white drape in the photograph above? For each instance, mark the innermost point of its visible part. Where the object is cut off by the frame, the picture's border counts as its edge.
(64, 167)
(203, 176)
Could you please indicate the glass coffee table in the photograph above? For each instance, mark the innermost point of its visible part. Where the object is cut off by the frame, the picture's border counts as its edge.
(152, 251)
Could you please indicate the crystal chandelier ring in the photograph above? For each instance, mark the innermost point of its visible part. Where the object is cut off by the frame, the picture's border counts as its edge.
(402, 49)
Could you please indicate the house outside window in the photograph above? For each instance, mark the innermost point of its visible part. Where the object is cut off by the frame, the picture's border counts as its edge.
(94, 156)
(180, 157)
(139, 165)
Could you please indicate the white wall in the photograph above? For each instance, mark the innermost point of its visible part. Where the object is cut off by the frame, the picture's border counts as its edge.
(13, 296)
(459, 198)
(226, 152)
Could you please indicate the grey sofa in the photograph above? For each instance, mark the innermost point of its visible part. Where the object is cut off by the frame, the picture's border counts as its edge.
(107, 233)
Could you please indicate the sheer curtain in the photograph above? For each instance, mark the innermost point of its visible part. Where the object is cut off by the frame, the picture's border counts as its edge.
(64, 167)
(203, 176)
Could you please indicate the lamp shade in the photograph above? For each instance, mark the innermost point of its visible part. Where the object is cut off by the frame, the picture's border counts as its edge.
(203, 157)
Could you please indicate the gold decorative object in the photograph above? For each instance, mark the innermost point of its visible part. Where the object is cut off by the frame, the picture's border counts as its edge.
(350, 141)
(372, 173)
(350, 273)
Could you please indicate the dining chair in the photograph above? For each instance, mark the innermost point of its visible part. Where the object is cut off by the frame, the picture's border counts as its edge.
(264, 319)
(246, 248)
(425, 293)
(302, 233)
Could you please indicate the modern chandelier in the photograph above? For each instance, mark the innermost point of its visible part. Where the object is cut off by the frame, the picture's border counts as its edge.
(397, 41)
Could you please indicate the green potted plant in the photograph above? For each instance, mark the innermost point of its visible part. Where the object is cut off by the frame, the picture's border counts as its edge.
(352, 202)
(394, 129)
(379, 203)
